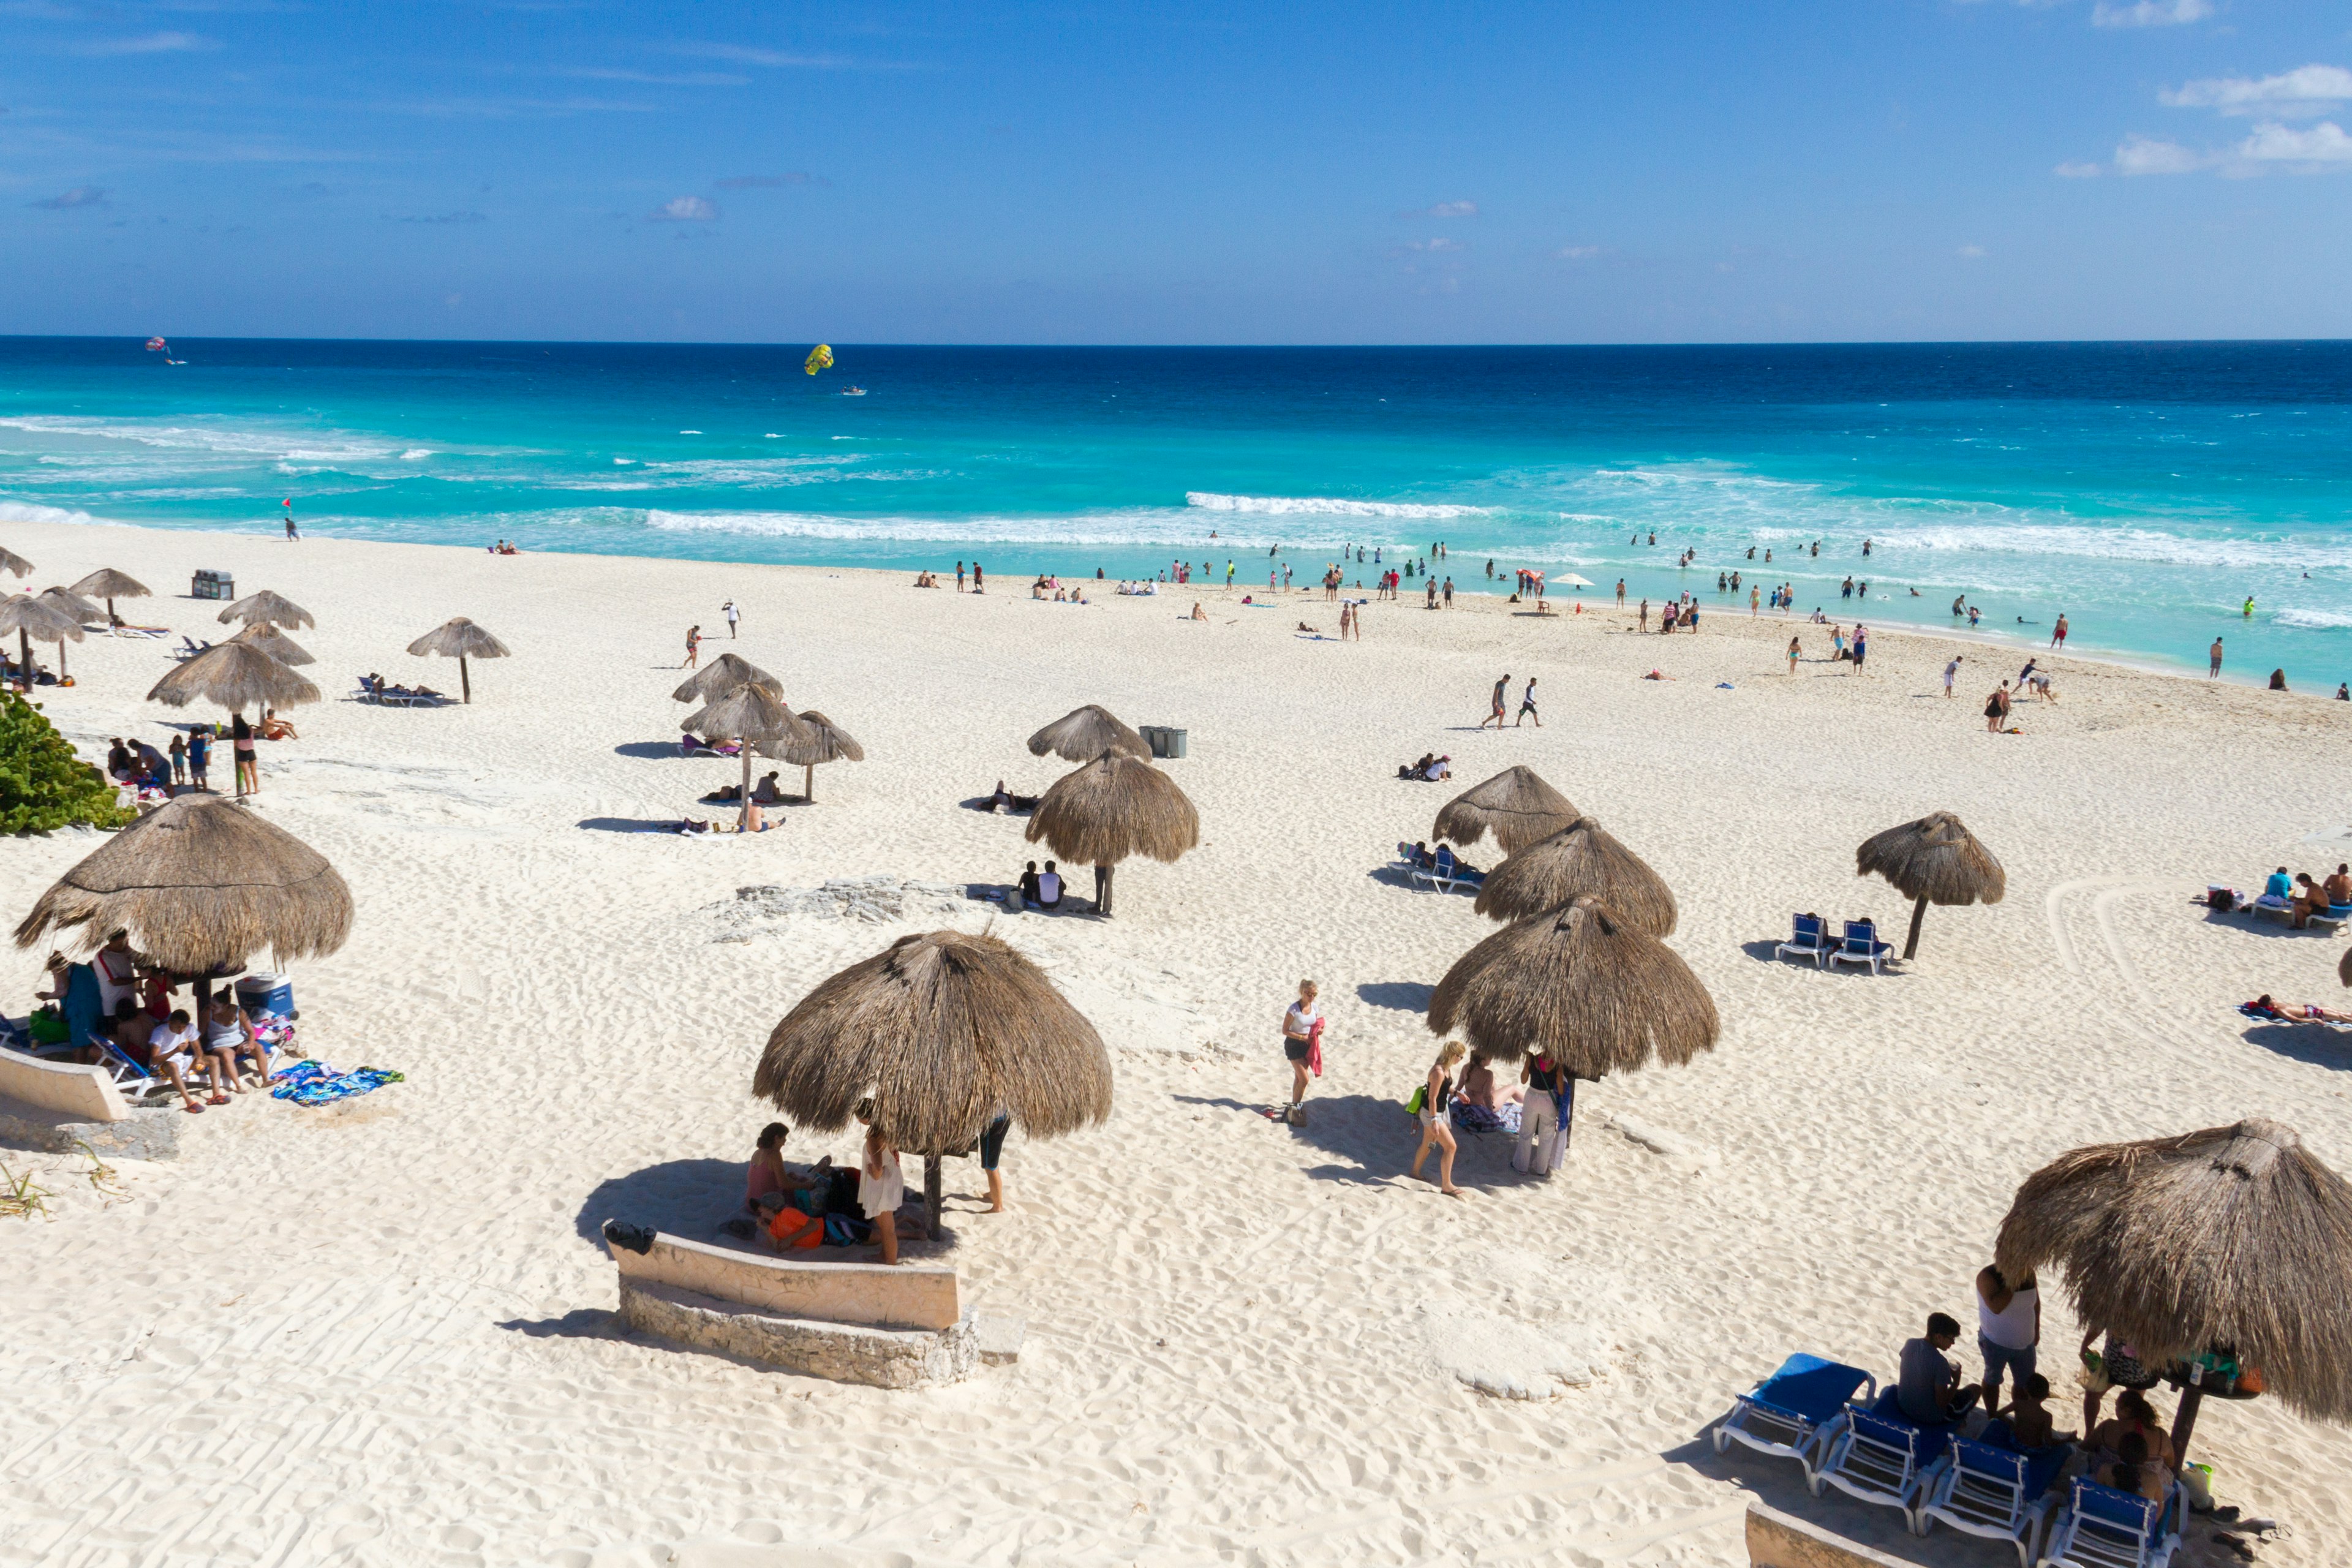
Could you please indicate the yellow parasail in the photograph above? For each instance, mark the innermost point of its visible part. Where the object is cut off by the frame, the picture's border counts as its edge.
(819, 358)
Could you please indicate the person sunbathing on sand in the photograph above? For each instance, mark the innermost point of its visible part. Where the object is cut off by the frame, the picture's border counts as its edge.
(2302, 1013)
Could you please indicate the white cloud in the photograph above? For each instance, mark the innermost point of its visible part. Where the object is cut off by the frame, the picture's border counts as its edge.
(2150, 155)
(1972, 252)
(152, 44)
(2151, 13)
(1454, 209)
(1440, 243)
(80, 196)
(684, 209)
(2297, 94)
(2323, 145)
(2078, 171)
(1577, 252)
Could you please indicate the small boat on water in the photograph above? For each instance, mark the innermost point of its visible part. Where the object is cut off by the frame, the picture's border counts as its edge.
(852, 392)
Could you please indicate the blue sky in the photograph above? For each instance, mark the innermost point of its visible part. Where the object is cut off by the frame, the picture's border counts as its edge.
(1177, 172)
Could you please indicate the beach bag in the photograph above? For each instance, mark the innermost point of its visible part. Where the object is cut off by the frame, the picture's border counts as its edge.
(47, 1027)
(1420, 1098)
(2222, 898)
(791, 1229)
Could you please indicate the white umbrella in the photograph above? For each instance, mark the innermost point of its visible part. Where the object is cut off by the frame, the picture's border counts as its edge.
(1573, 581)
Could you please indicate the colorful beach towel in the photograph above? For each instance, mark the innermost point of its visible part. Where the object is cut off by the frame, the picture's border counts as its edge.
(317, 1083)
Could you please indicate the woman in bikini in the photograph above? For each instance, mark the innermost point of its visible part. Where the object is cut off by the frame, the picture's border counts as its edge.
(1437, 1119)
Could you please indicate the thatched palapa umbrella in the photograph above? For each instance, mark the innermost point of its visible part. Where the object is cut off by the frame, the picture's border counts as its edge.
(274, 643)
(460, 639)
(755, 718)
(234, 674)
(107, 583)
(821, 741)
(1114, 807)
(723, 674)
(200, 885)
(1519, 805)
(16, 564)
(29, 618)
(2343, 967)
(73, 607)
(2233, 1240)
(275, 608)
(1084, 733)
(938, 1031)
(1934, 860)
(1580, 858)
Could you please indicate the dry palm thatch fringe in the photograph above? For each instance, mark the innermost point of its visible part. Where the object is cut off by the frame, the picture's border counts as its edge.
(67, 602)
(1518, 804)
(15, 564)
(939, 1030)
(35, 619)
(723, 674)
(1578, 985)
(235, 676)
(755, 716)
(1113, 808)
(1580, 858)
(1084, 733)
(109, 584)
(2343, 967)
(275, 608)
(2233, 1236)
(460, 639)
(274, 643)
(1934, 860)
(200, 883)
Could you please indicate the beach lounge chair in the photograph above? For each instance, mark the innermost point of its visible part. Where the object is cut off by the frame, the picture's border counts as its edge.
(2102, 1528)
(1445, 875)
(1809, 939)
(1877, 1456)
(1862, 946)
(1785, 1414)
(1985, 1488)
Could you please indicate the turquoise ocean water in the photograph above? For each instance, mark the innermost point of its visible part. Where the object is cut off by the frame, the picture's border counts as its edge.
(2146, 490)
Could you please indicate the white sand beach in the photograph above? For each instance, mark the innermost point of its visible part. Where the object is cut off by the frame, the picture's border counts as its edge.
(382, 1332)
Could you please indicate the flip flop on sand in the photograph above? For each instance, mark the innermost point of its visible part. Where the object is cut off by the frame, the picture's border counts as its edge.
(218, 1098)
(193, 1109)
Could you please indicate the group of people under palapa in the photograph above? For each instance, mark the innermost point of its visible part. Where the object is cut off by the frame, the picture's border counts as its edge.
(824, 1205)
(118, 1007)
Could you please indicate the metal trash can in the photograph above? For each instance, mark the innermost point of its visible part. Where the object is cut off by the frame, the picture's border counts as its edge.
(213, 585)
(1164, 742)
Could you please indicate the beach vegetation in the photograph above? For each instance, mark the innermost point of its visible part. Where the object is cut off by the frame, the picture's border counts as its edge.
(43, 785)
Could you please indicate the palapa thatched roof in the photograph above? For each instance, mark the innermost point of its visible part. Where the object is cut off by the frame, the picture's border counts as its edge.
(2343, 967)
(1519, 805)
(15, 564)
(723, 674)
(71, 604)
(1579, 858)
(820, 741)
(39, 620)
(2234, 1235)
(1935, 858)
(235, 675)
(1084, 733)
(751, 713)
(275, 608)
(200, 883)
(459, 638)
(1113, 808)
(106, 582)
(274, 643)
(939, 1030)
(1580, 985)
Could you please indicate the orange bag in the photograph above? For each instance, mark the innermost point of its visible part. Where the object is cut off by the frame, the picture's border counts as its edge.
(792, 1229)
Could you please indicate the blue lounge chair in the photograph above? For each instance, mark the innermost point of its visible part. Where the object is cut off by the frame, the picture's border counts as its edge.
(1810, 940)
(2102, 1528)
(1988, 1490)
(1786, 1412)
(1877, 1456)
(1447, 874)
(1862, 946)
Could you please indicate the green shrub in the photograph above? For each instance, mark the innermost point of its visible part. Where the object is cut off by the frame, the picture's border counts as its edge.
(43, 784)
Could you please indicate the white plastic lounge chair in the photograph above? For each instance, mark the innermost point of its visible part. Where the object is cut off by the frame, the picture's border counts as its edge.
(1446, 876)
(1862, 946)
(2102, 1528)
(1880, 1459)
(1811, 939)
(1785, 1413)
(1999, 1493)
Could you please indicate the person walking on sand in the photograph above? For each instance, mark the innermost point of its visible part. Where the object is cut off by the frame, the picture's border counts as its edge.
(1997, 709)
(733, 615)
(1302, 1044)
(1621, 592)
(1796, 649)
(2058, 631)
(293, 534)
(1436, 1112)
(978, 584)
(2215, 668)
(1528, 705)
(693, 647)
(248, 770)
(1495, 716)
(992, 1151)
(959, 576)
(1952, 673)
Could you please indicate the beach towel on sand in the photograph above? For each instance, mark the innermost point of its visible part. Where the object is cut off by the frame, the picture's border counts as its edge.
(315, 1083)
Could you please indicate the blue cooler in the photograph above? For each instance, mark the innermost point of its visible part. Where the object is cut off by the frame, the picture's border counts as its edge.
(259, 993)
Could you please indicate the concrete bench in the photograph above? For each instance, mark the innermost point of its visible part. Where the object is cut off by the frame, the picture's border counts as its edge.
(893, 1326)
(56, 1105)
(1777, 1540)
